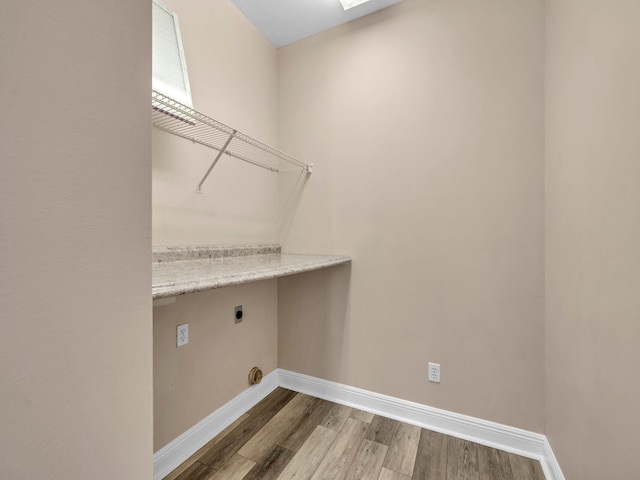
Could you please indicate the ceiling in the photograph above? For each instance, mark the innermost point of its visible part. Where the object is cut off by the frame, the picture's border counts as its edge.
(287, 21)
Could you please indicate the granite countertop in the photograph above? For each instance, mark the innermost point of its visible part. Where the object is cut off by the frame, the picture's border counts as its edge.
(180, 270)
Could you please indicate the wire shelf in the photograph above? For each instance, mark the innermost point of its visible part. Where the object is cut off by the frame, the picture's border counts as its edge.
(176, 118)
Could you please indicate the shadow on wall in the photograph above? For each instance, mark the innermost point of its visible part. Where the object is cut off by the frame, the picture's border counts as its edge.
(292, 182)
(313, 323)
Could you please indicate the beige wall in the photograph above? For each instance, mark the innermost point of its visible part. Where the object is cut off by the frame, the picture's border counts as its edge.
(75, 239)
(192, 381)
(425, 121)
(593, 237)
(233, 74)
(313, 324)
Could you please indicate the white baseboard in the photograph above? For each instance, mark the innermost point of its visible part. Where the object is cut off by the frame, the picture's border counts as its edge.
(510, 439)
(550, 464)
(169, 457)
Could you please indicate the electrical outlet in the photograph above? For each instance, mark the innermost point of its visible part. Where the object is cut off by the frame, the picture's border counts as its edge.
(182, 335)
(434, 372)
(237, 314)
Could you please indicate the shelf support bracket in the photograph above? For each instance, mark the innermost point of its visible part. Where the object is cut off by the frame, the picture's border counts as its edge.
(222, 150)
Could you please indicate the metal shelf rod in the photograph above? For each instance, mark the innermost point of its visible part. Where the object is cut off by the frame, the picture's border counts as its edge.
(174, 117)
(215, 161)
(227, 152)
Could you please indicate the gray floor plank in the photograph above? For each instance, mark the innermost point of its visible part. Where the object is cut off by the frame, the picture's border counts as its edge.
(382, 430)
(361, 415)
(462, 459)
(525, 468)
(196, 456)
(431, 457)
(387, 474)
(336, 417)
(367, 463)
(235, 469)
(259, 416)
(493, 464)
(537, 468)
(196, 471)
(306, 460)
(305, 424)
(292, 436)
(401, 456)
(336, 462)
(271, 465)
(279, 427)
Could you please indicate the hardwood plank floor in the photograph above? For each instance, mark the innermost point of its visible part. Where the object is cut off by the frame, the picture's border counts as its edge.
(368, 461)
(382, 430)
(305, 463)
(525, 468)
(387, 474)
(431, 456)
(494, 464)
(258, 417)
(365, 417)
(336, 462)
(235, 469)
(305, 424)
(271, 465)
(336, 417)
(175, 475)
(462, 460)
(196, 471)
(292, 436)
(403, 449)
(279, 427)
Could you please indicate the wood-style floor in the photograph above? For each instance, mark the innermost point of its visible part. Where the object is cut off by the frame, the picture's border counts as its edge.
(289, 435)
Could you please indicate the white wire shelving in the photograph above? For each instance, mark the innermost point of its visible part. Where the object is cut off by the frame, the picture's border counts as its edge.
(176, 118)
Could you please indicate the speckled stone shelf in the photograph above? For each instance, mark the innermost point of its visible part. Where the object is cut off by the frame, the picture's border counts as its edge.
(180, 270)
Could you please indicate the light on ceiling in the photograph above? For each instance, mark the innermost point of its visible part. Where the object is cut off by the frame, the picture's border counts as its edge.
(347, 4)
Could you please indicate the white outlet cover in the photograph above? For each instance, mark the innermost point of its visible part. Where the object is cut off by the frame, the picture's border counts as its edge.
(182, 335)
(434, 372)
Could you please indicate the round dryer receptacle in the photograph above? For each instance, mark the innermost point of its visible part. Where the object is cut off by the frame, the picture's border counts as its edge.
(255, 376)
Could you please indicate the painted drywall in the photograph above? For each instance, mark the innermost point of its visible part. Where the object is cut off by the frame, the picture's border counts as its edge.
(75, 239)
(425, 122)
(194, 380)
(315, 306)
(593, 237)
(233, 76)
